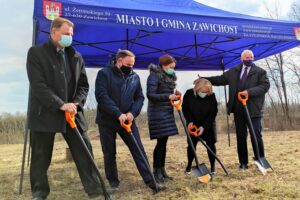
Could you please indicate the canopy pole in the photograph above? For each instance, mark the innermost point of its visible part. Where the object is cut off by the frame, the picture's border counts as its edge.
(225, 93)
(127, 39)
(196, 46)
(26, 132)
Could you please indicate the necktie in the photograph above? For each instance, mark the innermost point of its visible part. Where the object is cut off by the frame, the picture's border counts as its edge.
(244, 76)
(242, 84)
(64, 64)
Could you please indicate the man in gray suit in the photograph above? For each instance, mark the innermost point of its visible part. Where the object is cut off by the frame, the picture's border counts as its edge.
(252, 82)
(58, 83)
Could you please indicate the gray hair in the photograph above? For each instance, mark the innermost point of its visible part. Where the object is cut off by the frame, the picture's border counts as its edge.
(247, 51)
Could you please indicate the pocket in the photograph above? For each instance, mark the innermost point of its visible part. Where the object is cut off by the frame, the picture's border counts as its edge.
(40, 110)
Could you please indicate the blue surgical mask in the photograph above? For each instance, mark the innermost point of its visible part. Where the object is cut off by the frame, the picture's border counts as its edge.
(202, 94)
(65, 41)
(170, 71)
(248, 63)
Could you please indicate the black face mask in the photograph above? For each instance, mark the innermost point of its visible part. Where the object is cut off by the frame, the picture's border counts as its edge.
(125, 70)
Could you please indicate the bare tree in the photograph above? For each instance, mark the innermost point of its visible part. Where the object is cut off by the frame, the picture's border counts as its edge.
(295, 11)
(277, 67)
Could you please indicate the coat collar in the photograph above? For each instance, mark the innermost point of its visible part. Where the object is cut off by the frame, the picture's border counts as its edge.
(69, 50)
(117, 71)
(252, 71)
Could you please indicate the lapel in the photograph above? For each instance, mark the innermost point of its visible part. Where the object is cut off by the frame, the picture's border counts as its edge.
(54, 55)
(73, 62)
(55, 60)
(237, 71)
(252, 71)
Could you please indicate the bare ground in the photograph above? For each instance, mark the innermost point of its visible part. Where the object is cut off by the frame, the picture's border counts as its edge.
(282, 151)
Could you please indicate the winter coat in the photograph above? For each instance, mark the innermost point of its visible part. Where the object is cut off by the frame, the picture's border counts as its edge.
(202, 112)
(160, 112)
(49, 89)
(117, 94)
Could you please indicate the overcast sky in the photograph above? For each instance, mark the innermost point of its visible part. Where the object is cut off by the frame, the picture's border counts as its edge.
(16, 38)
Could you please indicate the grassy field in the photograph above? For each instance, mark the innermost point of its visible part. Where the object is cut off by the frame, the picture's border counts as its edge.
(282, 150)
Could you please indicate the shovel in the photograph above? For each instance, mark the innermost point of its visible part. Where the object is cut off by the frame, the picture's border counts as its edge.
(200, 170)
(127, 126)
(261, 163)
(195, 131)
(71, 120)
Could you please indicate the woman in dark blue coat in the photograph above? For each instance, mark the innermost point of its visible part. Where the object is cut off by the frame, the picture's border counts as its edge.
(160, 90)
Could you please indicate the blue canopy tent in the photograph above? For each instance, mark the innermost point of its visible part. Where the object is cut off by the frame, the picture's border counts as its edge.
(198, 36)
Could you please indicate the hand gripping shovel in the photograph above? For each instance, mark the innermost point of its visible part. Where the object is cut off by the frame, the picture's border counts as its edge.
(261, 163)
(71, 120)
(195, 131)
(127, 126)
(200, 170)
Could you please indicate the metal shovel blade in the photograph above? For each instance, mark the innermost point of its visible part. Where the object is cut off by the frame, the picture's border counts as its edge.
(263, 166)
(202, 173)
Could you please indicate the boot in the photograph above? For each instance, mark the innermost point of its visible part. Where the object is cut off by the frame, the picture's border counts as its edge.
(188, 169)
(213, 170)
(157, 188)
(158, 175)
(165, 175)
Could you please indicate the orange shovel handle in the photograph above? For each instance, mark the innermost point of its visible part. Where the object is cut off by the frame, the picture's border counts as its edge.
(242, 98)
(178, 103)
(194, 130)
(70, 119)
(127, 126)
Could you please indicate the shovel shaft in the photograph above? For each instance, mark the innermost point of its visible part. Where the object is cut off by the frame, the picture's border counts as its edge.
(252, 132)
(23, 159)
(188, 136)
(106, 195)
(211, 151)
(144, 159)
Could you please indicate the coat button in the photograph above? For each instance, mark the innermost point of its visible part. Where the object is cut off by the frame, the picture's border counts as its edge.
(62, 90)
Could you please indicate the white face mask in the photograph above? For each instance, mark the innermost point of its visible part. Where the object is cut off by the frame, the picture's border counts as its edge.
(202, 94)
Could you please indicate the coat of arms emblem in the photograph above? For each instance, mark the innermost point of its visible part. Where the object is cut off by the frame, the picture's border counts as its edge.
(52, 10)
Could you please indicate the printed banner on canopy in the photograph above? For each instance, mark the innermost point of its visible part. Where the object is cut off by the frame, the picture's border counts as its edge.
(170, 22)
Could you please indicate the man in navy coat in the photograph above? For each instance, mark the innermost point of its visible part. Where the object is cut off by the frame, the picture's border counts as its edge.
(120, 98)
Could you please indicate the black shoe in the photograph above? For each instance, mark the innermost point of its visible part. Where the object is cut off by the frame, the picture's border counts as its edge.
(243, 166)
(255, 159)
(114, 183)
(158, 175)
(165, 175)
(38, 198)
(109, 190)
(157, 188)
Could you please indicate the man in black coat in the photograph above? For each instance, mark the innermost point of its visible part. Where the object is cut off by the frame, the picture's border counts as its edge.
(58, 83)
(120, 98)
(253, 82)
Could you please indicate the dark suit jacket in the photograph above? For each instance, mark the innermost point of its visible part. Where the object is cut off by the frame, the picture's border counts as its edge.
(257, 84)
(48, 88)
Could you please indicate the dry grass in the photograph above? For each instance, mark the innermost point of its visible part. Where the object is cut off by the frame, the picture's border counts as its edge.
(282, 149)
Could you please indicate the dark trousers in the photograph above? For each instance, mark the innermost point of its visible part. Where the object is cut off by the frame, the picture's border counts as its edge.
(210, 143)
(108, 143)
(159, 153)
(241, 135)
(42, 146)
